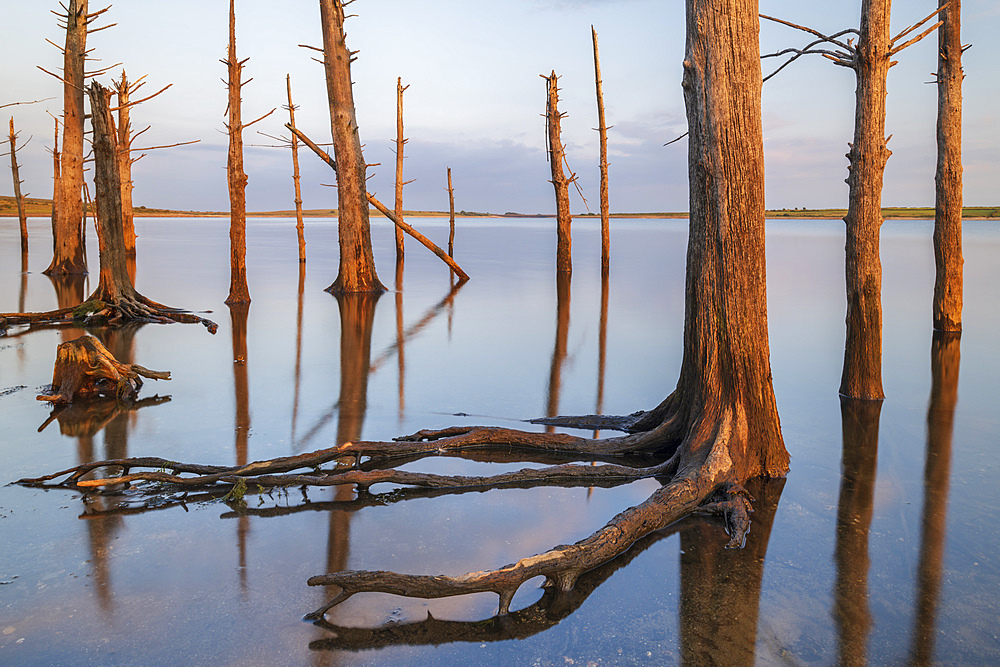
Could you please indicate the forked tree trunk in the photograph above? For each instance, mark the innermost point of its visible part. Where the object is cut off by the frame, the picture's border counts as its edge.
(357, 264)
(239, 292)
(68, 251)
(400, 141)
(18, 198)
(564, 250)
(115, 283)
(948, 181)
(299, 227)
(862, 376)
(602, 128)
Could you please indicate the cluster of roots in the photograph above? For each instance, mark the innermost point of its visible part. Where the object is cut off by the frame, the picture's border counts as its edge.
(98, 312)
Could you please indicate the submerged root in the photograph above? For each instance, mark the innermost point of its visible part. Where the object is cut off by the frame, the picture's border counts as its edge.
(116, 312)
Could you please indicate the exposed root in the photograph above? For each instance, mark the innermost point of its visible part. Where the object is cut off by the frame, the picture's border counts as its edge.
(593, 422)
(85, 369)
(562, 565)
(95, 312)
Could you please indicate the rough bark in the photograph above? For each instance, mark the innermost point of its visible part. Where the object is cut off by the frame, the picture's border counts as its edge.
(862, 376)
(602, 128)
(560, 182)
(22, 219)
(357, 264)
(68, 252)
(400, 141)
(85, 369)
(299, 226)
(948, 179)
(123, 89)
(56, 181)
(239, 292)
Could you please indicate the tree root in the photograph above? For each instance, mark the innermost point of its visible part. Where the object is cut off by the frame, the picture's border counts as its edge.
(85, 369)
(561, 566)
(96, 311)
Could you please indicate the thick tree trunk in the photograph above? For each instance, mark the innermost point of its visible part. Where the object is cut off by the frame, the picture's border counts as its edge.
(18, 198)
(357, 264)
(948, 180)
(564, 250)
(299, 227)
(68, 250)
(400, 141)
(862, 376)
(602, 128)
(115, 283)
(239, 292)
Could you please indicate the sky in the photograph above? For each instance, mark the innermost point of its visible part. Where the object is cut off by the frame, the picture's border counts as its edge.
(475, 100)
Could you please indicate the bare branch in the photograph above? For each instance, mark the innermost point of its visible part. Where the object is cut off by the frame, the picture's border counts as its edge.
(153, 148)
(916, 39)
(246, 125)
(140, 101)
(826, 38)
(913, 27)
(14, 104)
(673, 141)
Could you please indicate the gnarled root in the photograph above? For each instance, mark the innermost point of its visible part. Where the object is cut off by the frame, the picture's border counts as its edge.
(114, 312)
(84, 368)
(562, 565)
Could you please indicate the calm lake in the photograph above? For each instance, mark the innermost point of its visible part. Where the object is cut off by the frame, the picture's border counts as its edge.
(864, 553)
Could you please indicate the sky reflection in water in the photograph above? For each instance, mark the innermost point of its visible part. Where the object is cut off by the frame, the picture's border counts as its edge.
(848, 558)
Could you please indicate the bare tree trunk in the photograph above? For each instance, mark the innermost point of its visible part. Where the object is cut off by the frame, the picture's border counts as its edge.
(239, 292)
(68, 251)
(115, 283)
(357, 264)
(18, 198)
(123, 89)
(299, 227)
(451, 217)
(602, 128)
(564, 251)
(56, 182)
(862, 376)
(400, 141)
(948, 181)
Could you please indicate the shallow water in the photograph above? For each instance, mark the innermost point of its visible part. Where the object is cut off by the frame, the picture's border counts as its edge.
(853, 558)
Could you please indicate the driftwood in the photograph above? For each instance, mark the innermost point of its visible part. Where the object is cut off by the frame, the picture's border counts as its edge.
(85, 369)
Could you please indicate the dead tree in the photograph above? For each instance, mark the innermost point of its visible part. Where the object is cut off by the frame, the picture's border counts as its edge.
(18, 197)
(451, 217)
(239, 292)
(115, 301)
(556, 156)
(299, 226)
(124, 90)
(870, 59)
(717, 430)
(85, 369)
(68, 254)
(357, 264)
(399, 222)
(602, 128)
(948, 179)
(400, 141)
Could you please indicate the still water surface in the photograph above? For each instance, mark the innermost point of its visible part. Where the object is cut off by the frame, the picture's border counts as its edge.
(861, 554)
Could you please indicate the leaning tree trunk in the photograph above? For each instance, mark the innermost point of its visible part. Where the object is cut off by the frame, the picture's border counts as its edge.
(948, 181)
(357, 264)
(68, 254)
(299, 227)
(239, 292)
(18, 198)
(862, 376)
(564, 250)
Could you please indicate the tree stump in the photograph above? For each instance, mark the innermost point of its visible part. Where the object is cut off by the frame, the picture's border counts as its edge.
(85, 369)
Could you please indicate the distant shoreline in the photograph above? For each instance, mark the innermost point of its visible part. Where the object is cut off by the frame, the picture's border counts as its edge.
(41, 208)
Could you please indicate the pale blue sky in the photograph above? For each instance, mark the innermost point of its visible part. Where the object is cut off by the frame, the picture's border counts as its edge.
(475, 100)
